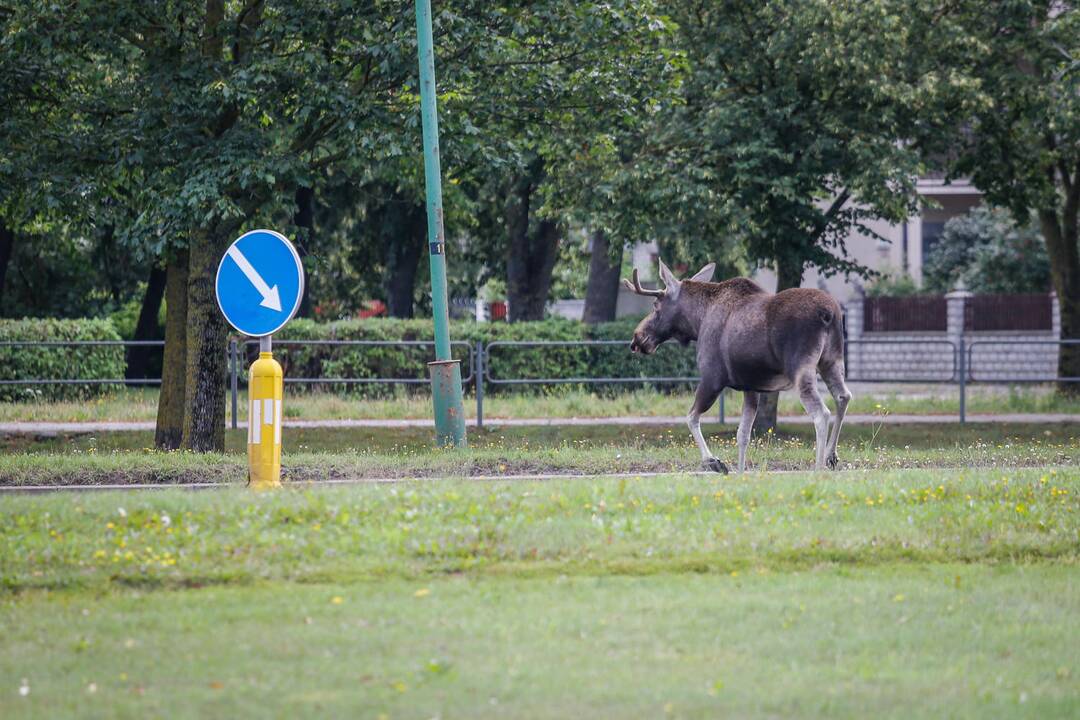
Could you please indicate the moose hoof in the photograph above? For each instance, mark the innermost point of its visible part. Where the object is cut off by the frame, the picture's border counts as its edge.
(715, 465)
(832, 461)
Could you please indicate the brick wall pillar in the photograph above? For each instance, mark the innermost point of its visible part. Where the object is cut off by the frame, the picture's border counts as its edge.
(1055, 330)
(955, 303)
(1055, 316)
(854, 313)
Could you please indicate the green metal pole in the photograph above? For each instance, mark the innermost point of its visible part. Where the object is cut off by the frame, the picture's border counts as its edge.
(445, 372)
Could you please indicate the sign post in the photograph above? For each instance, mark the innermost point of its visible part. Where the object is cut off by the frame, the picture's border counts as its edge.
(445, 371)
(259, 283)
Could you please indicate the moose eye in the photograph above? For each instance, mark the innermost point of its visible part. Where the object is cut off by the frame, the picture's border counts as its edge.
(656, 305)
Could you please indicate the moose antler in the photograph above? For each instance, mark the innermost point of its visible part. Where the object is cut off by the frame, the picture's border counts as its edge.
(636, 287)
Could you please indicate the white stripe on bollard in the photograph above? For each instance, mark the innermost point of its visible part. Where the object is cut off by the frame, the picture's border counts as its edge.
(255, 423)
(277, 422)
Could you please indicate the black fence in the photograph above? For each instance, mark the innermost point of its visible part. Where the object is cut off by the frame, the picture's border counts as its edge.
(914, 313)
(1018, 311)
(477, 360)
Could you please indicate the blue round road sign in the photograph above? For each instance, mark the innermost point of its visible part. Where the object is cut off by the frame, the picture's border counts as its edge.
(259, 283)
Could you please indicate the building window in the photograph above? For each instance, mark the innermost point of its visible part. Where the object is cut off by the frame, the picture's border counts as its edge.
(931, 234)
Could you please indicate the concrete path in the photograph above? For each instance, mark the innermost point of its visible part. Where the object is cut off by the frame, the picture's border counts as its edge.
(58, 428)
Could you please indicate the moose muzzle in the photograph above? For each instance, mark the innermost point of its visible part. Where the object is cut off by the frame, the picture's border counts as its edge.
(641, 343)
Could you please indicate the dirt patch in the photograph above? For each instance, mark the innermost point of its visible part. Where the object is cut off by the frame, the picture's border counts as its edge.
(134, 476)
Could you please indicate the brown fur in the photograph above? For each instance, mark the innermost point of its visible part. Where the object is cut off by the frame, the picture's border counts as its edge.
(755, 341)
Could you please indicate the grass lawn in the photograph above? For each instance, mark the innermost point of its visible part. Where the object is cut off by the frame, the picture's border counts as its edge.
(141, 404)
(313, 454)
(962, 641)
(905, 593)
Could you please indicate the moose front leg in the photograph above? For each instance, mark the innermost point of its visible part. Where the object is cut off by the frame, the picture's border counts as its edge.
(703, 400)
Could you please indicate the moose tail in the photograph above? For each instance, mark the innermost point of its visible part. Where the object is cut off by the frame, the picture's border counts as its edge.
(835, 325)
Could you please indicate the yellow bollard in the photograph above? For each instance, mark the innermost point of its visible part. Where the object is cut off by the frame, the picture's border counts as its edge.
(264, 423)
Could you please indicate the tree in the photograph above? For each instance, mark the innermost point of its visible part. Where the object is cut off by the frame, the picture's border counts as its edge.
(602, 292)
(532, 246)
(140, 358)
(398, 224)
(791, 132)
(1016, 127)
(304, 221)
(212, 118)
(169, 430)
(7, 245)
(209, 115)
(566, 88)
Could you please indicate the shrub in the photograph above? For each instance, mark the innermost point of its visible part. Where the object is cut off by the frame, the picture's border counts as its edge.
(892, 283)
(990, 253)
(20, 363)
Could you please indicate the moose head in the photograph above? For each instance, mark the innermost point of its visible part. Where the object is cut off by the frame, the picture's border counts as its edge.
(668, 318)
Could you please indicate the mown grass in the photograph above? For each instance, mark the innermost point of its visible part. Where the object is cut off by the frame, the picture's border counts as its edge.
(140, 404)
(623, 525)
(317, 454)
(898, 641)
(889, 594)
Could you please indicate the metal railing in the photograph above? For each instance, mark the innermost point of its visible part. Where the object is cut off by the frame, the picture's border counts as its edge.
(960, 369)
(365, 343)
(484, 355)
(234, 371)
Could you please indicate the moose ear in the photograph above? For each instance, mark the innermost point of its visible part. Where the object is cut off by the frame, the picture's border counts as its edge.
(670, 281)
(704, 274)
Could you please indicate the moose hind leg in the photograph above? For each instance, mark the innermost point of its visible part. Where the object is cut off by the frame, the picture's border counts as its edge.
(703, 400)
(746, 425)
(834, 379)
(811, 400)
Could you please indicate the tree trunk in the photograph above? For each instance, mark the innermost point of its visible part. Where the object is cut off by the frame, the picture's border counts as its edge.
(7, 246)
(1061, 235)
(529, 268)
(170, 416)
(305, 220)
(140, 359)
(403, 233)
(205, 370)
(531, 255)
(602, 292)
(789, 274)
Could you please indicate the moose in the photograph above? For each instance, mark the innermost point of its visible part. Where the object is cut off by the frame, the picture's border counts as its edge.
(754, 341)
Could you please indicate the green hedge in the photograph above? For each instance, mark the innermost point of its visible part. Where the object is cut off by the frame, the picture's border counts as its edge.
(505, 362)
(20, 363)
(400, 361)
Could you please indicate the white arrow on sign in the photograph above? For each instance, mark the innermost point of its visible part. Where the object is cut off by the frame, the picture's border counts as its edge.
(270, 296)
